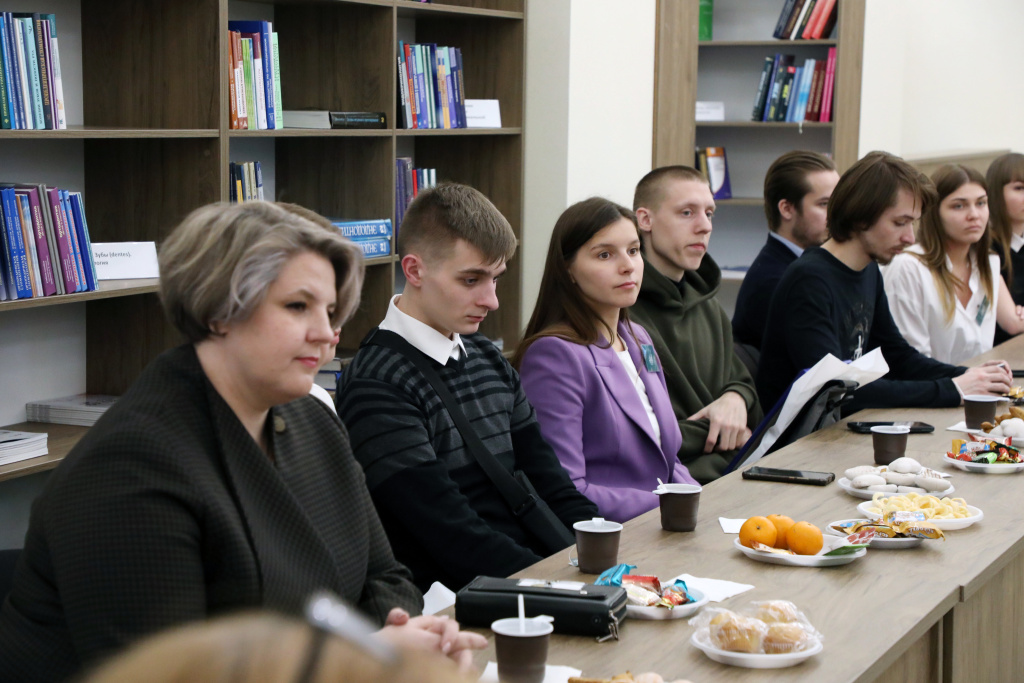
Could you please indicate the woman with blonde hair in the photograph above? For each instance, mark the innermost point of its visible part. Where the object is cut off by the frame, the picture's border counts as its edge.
(215, 483)
(1005, 178)
(945, 292)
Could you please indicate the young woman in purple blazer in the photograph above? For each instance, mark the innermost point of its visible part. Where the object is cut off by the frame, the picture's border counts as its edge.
(592, 376)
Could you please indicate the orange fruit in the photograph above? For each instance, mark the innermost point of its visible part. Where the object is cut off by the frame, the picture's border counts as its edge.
(757, 529)
(804, 538)
(782, 523)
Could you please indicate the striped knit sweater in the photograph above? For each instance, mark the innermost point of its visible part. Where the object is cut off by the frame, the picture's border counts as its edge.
(445, 519)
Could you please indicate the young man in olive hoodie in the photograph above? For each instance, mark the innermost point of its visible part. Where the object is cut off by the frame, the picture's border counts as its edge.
(712, 393)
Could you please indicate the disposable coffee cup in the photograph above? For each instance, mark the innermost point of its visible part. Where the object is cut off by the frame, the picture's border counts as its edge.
(597, 545)
(890, 442)
(521, 646)
(678, 504)
(979, 409)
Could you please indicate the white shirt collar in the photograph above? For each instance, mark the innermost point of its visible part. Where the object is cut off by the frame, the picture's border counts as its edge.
(790, 245)
(1016, 241)
(425, 338)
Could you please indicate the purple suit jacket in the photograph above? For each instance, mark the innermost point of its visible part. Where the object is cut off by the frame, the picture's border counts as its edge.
(591, 414)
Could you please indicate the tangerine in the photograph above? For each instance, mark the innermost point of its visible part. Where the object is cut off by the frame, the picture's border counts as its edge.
(782, 524)
(757, 529)
(804, 539)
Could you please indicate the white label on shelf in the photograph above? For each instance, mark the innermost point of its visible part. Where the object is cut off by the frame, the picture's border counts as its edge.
(711, 111)
(125, 260)
(483, 114)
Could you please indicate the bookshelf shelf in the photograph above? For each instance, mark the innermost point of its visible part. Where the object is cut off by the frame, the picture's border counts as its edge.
(781, 44)
(108, 289)
(312, 133)
(763, 124)
(107, 132)
(438, 132)
(406, 9)
(61, 439)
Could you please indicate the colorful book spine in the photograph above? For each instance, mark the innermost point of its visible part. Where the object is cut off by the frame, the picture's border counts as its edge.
(826, 20)
(16, 246)
(232, 88)
(58, 82)
(250, 94)
(780, 25)
(804, 91)
(261, 34)
(6, 103)
(23, 75)
(259, 94)
(462, 88)
(805, 17)
(761, 98)
(42, 42)
(49, 282)
(422, 111)
(25, 218)
(6, 262)
(76, 243)
(77, 205)
(807, 32)
(278, 100)
(64, 249)
(365, 229)
(32, 64)
(828, 91)
(373, 248)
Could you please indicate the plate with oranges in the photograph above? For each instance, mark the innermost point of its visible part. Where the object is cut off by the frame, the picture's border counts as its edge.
(777, 539)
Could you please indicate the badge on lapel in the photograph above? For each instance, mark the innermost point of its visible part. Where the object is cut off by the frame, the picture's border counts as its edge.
(650, 358)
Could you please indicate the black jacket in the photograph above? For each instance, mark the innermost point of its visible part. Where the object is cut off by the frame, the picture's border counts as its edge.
(167, 511)
(751, 313)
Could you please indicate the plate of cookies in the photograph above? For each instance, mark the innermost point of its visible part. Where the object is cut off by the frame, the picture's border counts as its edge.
(772, 634)
(903, 475)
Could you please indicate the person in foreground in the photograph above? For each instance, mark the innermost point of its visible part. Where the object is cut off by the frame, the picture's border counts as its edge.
(1005, 180)
(832, 300)
(712, 392)
(602, 405)
(443, 513)
(945, 292)
(797, 188)
(215, 483)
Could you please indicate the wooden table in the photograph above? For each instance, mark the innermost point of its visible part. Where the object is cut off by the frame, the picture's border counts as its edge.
(945, 611)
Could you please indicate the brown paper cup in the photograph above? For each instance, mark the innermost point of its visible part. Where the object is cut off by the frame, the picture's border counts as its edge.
(522, 655)
(597, 544)
(679, 504)
(890, 442)
(979, 409)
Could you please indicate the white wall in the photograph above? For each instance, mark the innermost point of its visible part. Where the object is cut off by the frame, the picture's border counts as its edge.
(942, 76)
(589, 112)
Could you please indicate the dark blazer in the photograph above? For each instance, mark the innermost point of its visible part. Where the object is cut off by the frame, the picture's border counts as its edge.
(755, 296)
(167, 511)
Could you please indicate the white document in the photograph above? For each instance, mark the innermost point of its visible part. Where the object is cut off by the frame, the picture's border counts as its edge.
(125, 260)
(483, 114)
(864, 370)
(710, 111)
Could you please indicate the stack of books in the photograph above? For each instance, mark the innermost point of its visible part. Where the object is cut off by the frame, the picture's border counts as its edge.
(408, 183)
(17, 446)
(787, 92)
(254, 76)
(373, 236)
(44, 242)
(83, 409)
(806, 20)
(431, 93)
(31, 90)
(246, 181)
(326, 120)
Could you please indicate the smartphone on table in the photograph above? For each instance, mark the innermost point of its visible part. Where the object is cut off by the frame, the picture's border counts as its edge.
(915, 427)
(789, 476)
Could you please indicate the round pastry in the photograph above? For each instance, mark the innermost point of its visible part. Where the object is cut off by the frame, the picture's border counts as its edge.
(909, 489)
(900, 479)
(932, 484)
(855, 472)
(865, 480)
(735, 633)
(785, 638)
(777, 611)
(905, 466)
(884, 488)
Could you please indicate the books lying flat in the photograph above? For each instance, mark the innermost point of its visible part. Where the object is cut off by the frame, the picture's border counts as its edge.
(18, 446)
(83, 409)
(325, 120)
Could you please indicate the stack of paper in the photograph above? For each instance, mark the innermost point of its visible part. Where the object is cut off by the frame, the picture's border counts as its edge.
(16, 446)
(83, 409)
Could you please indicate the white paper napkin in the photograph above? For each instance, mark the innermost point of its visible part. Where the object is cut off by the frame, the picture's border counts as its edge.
(731, 526)
(961, 426)
(716, 590)
(554, 674)
(439, 597)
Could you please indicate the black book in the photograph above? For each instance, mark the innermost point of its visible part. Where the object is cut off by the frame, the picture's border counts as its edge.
(762, 90)
(780, 26)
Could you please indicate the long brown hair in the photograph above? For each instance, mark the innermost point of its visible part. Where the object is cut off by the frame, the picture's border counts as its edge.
(561, 310)
(1009, 168)
(932, 236)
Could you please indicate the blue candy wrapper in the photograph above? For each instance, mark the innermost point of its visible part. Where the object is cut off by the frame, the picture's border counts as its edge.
(613, 576)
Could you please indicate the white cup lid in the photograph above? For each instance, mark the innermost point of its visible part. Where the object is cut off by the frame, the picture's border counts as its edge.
(530, 627)
(598, 525)
(678, 488)
(890, 429)
(985, 398)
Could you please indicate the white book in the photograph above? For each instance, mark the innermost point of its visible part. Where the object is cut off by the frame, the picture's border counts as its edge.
(278, 100)
(257, 85)
(58, 86)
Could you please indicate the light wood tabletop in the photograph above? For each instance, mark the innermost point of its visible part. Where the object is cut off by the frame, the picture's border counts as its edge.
(946, 610)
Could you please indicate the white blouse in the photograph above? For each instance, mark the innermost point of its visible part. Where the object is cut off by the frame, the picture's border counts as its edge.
(641, 390)
(916, 307)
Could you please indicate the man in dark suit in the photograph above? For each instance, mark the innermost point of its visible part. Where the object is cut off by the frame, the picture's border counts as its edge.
(796, 193)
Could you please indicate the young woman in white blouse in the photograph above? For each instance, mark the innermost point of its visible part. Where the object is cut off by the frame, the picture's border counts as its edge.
(945, 292)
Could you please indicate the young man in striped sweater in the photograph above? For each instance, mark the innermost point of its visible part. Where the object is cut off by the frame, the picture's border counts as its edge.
(445, 518)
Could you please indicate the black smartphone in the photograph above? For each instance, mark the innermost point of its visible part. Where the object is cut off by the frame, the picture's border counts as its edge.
(788, 476)
(1018, 373)
(915, 427)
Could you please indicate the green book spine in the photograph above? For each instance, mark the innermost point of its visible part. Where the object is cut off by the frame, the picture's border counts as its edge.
(250, 100)
(705, 15)
(278, 104)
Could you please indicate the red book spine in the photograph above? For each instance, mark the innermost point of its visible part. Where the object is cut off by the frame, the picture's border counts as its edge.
(829, 88)
(828, 7)
(814, 100)
(67, 257)
(812, 21)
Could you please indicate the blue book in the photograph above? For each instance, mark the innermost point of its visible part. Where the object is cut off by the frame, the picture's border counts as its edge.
(355, 230)
(797, 79)
(16, 245)
(461, 87)
(373, 248)
(804, 92)
(453, 61)
(78, 212)
(6, 100)
(32, 64)
(10, 31)
(266, 52)
(423, 95)
(7, 290)
(73, 237)
(435, 90)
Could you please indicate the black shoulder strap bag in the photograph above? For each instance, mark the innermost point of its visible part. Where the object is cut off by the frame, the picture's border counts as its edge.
(515, 488)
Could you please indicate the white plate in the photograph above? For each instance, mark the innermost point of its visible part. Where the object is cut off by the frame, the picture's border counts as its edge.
(678, 612)
(844, 484)
(699, 640)
(798, 560)
(984, 468)
(878, 541)
(944, 524)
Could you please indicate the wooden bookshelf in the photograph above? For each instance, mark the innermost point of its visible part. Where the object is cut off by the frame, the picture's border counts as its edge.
(60, 440)
(727, 69)
(156, 144)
